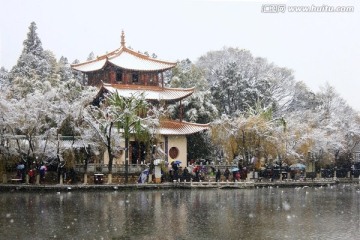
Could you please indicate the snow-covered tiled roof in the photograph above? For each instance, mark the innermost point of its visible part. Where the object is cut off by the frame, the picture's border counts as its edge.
(150, 92)
(130, 60)
(90, 66)
(127, 59)
(171, 127)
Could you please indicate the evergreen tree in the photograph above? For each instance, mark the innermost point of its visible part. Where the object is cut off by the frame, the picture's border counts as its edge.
(53, 76)
(237, 79)
(64, 70)
(33, 45)
(198, 107)
(32, 62)
(4, 77)
(77, 75)
(91, 56)
(35, 68)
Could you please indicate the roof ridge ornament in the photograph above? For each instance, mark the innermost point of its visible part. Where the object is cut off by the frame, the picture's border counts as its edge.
(122, 38)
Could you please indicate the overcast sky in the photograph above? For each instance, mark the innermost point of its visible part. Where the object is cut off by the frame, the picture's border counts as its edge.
(319, 46)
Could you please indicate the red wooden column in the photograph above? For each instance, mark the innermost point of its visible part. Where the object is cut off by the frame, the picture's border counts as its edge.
(112, 76)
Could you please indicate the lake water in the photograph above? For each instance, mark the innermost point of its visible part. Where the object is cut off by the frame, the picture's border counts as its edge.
(264, 213)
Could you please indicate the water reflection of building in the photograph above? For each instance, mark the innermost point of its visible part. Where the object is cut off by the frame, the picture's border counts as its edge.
(129, 72)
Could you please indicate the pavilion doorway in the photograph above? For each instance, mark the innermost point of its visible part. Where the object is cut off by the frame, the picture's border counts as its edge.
(137, 152)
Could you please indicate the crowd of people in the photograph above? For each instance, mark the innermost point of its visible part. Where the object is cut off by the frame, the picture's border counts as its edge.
(196, 172)
(31, 171)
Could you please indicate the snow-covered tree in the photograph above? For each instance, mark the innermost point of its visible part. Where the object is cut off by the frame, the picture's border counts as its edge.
(334, 118)
(282, 88)
(238, 80)
(229, 73)
(91, 56)
(31, 124)
(32, 63)
(35, 67)
(129, 115)
(321, 123)
(52, 75)
(77, 75)
(252, 134)
(64, 69)
(4, 79)
(303, 99)
(198, 107)
(36, 106)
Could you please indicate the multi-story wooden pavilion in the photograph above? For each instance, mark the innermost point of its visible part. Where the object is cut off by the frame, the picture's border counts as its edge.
(129, 72)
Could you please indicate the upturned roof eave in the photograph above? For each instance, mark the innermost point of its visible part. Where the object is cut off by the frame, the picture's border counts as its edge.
(110, 57)
(147, 89)
(173, 127)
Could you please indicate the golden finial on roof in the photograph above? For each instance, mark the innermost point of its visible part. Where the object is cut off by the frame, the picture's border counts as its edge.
(122, 38)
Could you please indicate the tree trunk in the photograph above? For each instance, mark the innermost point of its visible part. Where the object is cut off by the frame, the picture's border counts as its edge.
(87, 157)
(88, 154)
(110, 164)
(110, 157)
(126, 159)
(110, 154)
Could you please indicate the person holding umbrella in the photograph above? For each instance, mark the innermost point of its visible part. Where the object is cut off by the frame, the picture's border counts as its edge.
(21, 171)
(236, 173)
(42, 173)
(175, 167)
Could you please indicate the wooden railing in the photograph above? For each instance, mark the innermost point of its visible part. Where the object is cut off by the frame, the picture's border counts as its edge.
(134, 168)
(116, 168)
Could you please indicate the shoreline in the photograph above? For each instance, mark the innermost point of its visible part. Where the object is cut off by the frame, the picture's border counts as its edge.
(168, 185)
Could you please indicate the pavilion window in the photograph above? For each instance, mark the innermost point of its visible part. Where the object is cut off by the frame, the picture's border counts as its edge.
(135, 77)
(119, 75)
(151, 78)
(98, 76)
(174, 152)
